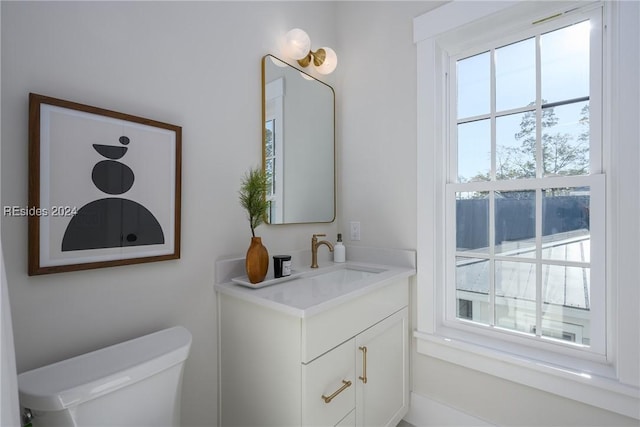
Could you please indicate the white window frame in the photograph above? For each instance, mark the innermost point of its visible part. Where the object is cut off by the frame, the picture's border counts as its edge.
(612, 383)
(274, 101)
(596, 351)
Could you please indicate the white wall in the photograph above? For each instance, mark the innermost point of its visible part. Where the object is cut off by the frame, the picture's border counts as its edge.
(198, 65)
(377, 121)
(193, 64)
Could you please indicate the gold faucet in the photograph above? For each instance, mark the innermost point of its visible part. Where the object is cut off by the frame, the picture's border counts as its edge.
(314, 248)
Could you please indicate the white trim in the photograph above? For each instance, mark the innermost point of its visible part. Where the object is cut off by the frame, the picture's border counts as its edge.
(430, 157)
(439, 20)
(625, 186)
(591, 389)
(426, 412)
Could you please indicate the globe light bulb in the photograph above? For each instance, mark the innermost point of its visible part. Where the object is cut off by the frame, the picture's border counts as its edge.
(330, 61)
(297, 44)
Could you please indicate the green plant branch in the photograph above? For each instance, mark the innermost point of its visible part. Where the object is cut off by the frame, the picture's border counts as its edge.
(253, 189)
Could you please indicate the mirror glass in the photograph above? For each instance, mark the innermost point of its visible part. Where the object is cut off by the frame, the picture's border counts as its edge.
(298, 144)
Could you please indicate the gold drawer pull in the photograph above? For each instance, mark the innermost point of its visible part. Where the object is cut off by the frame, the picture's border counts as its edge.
(345, 384)
(364, 364)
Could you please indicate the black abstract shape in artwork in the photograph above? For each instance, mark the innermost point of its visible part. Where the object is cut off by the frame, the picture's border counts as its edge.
(110, 151)
(112, 177)
(112, 222)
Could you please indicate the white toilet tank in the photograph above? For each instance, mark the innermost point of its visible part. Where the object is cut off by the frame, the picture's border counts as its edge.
(134, 383)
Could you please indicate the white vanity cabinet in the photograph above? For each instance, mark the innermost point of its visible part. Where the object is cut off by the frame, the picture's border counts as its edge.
(346, 365)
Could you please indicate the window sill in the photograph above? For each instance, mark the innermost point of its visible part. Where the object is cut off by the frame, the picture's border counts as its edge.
(602, 391)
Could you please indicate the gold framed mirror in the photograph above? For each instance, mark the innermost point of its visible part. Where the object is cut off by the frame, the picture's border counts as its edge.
(298, 144)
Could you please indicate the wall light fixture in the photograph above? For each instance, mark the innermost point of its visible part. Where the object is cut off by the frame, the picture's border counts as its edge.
(297, 45)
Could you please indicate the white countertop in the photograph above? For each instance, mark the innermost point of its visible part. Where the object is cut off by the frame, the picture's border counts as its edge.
(304, 297)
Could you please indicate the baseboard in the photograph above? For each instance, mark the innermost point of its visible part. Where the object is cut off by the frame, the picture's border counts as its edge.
(425, 412)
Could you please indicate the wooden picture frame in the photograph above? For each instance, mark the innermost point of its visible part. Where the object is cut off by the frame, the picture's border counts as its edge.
(104, 188)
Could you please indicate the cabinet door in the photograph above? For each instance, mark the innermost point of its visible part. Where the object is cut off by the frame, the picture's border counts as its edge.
(382, 374)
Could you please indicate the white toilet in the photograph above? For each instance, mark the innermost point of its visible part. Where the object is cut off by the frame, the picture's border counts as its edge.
(134, 383)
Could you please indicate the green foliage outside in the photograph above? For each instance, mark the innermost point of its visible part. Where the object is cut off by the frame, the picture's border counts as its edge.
(562, 153)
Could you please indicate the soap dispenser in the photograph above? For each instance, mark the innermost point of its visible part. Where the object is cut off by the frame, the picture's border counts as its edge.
(339, 250)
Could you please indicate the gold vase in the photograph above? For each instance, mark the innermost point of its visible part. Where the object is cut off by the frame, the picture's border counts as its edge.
(257, 261)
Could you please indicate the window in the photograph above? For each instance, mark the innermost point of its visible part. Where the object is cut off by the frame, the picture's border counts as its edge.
(524, 187)
(487, 286)
(270, 161)
(465, 309)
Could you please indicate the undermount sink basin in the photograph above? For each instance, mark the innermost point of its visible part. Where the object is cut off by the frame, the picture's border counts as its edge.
(343, 276)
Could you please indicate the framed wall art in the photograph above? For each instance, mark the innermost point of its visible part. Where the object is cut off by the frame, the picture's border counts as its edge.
(104, 187)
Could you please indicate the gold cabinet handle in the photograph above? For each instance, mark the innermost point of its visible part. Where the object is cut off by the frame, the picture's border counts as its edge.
(364, 364)
(345, 384)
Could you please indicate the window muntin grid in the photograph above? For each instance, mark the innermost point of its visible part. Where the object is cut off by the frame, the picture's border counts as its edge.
(510, 157)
